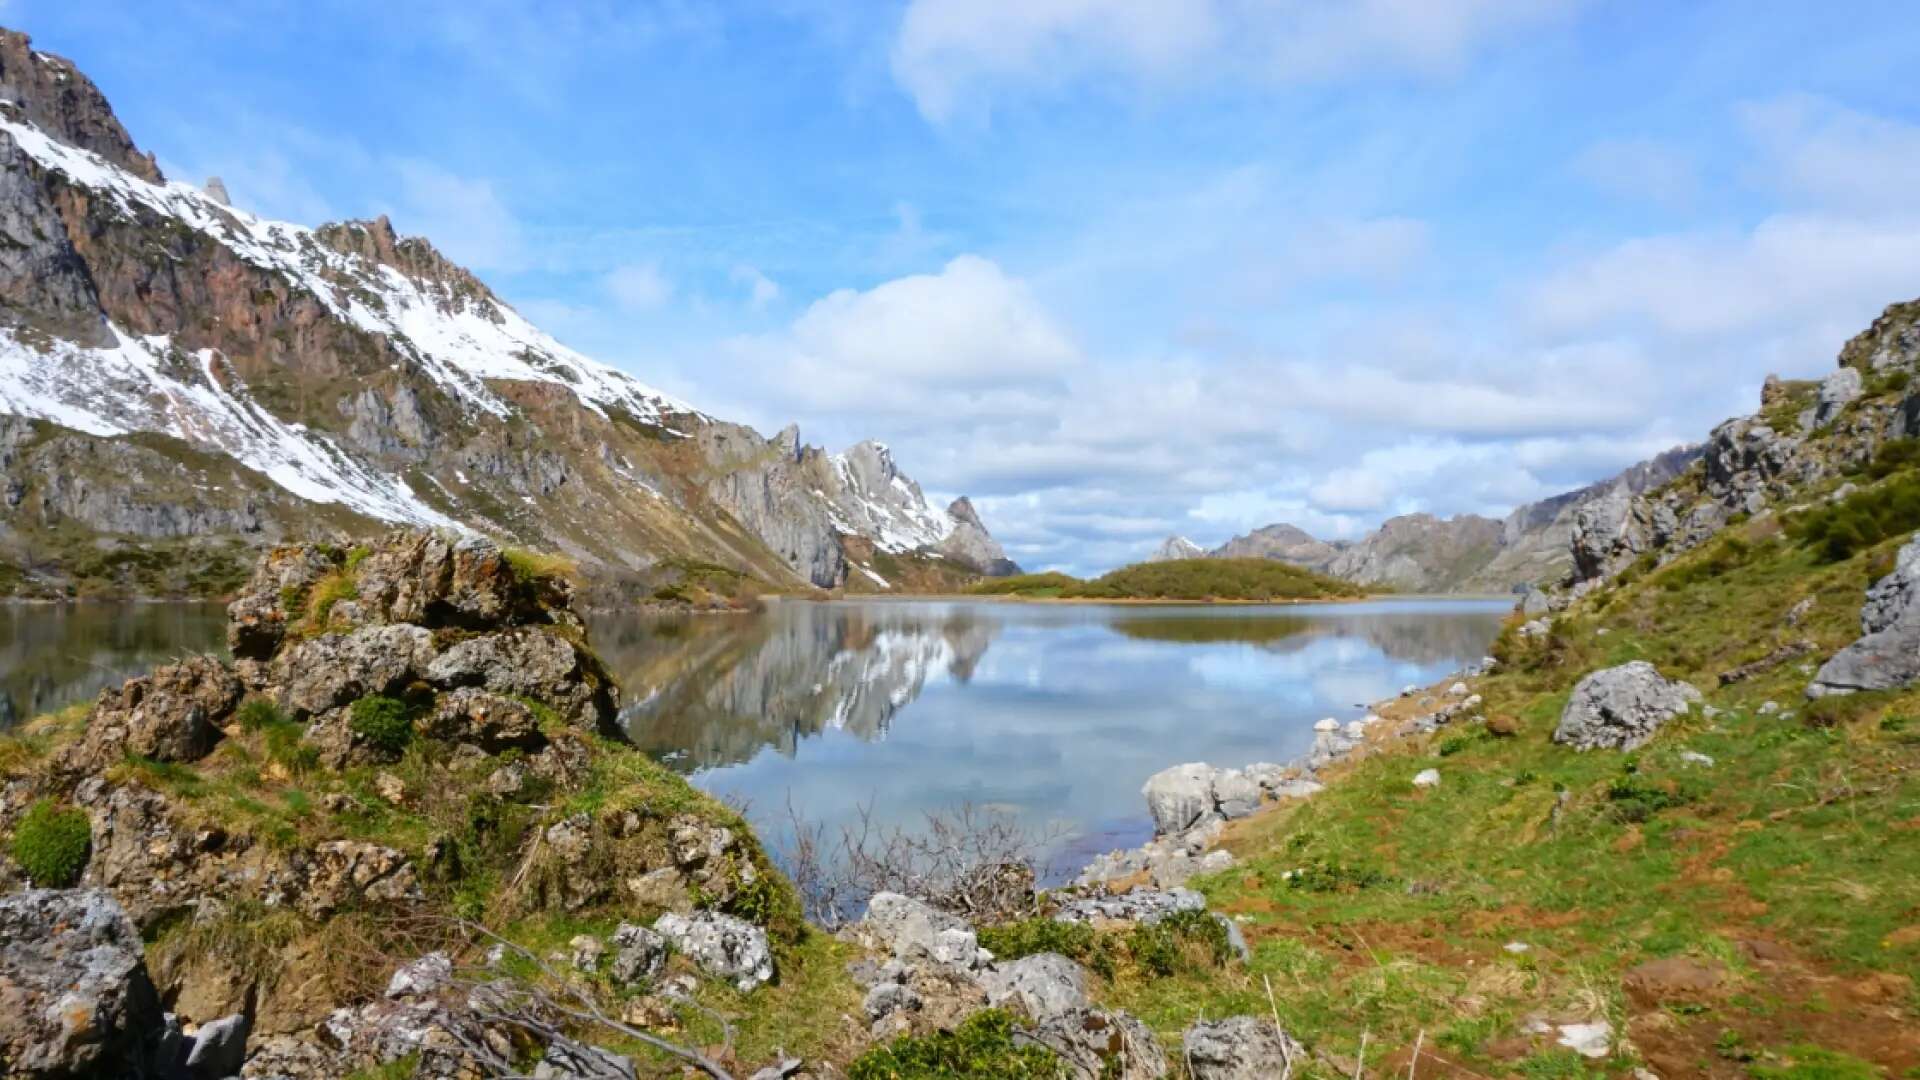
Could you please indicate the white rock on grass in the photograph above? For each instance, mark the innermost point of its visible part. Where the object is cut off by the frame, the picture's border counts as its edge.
(721, 945)
(1590, 1040)
(913, 932)
(1427, 778)
(1046, 985)
(1695, 757)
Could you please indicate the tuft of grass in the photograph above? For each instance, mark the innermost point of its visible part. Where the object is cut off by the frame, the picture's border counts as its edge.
(52, 844)
(385, 723)
(534, 567)
(981, 1048)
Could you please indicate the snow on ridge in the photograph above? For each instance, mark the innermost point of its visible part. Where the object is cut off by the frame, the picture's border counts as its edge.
(457, 349)
(126, 388)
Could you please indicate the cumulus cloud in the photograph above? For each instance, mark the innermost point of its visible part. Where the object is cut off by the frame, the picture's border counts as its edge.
(1818, 149)
(640, 286)
(1788, 268)
(1640, 168)
(956, 56)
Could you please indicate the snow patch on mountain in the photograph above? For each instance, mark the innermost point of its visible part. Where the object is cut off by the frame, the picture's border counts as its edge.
(146, 384)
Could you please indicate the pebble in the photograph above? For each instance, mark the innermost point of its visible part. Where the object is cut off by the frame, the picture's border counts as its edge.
(1427, 778)
(1694, 757)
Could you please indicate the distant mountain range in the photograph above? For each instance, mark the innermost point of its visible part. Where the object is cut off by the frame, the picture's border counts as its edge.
(1464, 554)
(182, 381)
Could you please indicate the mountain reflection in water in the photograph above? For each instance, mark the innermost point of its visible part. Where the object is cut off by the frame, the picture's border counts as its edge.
(1055, 712)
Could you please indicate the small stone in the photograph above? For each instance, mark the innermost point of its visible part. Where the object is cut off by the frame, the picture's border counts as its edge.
(1516, 947)
(428, 975)
(639, 955)
(1694, 757)
(1591, 1040)
(390, 787)
(1427, 778)
(1458, 689)
(587, 951)
(1768, 708)
(888, 998)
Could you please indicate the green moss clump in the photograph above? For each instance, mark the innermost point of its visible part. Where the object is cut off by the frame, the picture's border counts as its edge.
(52, 844)
(982, 1048)
(382, 722)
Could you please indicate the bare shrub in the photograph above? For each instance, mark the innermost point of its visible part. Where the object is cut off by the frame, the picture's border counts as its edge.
(974, 863)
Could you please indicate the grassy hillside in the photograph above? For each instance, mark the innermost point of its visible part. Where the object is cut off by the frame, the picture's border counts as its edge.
(1752, 917)
(1181, 579)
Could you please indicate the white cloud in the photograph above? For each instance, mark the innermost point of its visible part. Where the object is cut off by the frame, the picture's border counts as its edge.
(1789, 268)
(464, 216)
(970, 325)
(956, 56)
(1839, 157)
(761, 289)
(1640, 169)
(639, 286)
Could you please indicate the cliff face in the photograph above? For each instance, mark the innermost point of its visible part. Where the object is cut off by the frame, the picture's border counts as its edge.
(177, 369)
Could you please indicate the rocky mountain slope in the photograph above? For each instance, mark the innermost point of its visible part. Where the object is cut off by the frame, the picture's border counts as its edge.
(1175, 548)
(1464, 554)
(177, 374)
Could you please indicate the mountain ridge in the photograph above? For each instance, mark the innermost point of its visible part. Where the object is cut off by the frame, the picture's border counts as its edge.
(180, 374)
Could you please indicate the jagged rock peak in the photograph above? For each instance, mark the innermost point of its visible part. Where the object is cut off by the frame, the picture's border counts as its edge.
(961, 509)
(216, 190)
(1892, 341)
(50, 93)
(1176, 547)
(415, 256)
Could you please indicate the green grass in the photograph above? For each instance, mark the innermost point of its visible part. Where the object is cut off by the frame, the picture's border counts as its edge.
(1048, 585)
(385, 723)
(51, 843)
(1863, 519)
(980, 1048)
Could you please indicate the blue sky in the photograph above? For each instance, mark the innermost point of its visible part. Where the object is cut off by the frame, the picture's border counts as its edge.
(1117, 268)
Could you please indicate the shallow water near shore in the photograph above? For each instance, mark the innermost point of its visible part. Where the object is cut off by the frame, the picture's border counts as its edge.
(1055, 714)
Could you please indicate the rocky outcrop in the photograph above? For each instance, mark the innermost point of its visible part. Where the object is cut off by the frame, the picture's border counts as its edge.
(1887, 654)
(1621, 708)
(1420, 553)
(723, 946)
(172, 715)
(972, 544)
(54, 96)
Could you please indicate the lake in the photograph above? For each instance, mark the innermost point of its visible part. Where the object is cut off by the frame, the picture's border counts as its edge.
(1054, 713)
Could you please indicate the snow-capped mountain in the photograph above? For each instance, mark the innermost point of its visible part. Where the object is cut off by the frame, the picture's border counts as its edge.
(178, 371)
(1174, 548)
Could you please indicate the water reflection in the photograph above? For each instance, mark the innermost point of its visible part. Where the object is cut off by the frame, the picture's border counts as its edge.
(1056, 712)
(52, 655)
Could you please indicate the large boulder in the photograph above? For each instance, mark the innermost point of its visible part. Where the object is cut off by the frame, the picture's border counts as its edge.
(437, 580)
(171, 714)
(1620, 708)
(1045, 986)
(720, 945)
(75, 998)
(1241, 1048)
(534, 663)
(1887, 655)
(484, 719)
(1194, 794)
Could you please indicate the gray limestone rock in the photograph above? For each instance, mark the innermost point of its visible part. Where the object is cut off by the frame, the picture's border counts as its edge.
(1621, 708)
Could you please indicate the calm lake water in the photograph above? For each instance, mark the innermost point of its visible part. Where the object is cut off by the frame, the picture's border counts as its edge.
(1053, 713)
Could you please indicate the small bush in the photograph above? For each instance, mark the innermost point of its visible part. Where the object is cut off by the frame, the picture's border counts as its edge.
(1166, 947)
(981, 1048)
(52, 844)
(1027, 937)
(1634, 798)
(1839, 530)
(382, 722)
(1892, 456)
